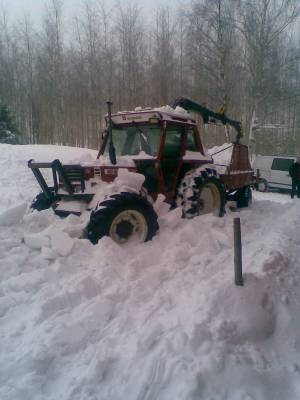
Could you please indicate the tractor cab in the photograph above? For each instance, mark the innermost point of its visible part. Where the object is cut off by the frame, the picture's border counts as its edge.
(163, 144)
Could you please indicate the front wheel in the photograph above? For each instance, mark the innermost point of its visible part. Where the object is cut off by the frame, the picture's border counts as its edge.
(125, 217)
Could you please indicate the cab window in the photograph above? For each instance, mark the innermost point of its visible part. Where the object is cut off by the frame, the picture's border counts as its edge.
(173, 143)
(191, 143)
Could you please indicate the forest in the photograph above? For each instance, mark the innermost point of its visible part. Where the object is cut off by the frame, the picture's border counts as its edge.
(242, 55)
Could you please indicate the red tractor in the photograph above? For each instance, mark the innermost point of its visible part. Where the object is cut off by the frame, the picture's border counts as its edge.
(150, 152)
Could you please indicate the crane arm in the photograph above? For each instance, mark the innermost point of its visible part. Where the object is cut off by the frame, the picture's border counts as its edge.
(208, 115)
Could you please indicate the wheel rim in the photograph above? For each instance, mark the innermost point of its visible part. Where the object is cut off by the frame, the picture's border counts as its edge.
(129, 226)
(209, 200)
(262, 187)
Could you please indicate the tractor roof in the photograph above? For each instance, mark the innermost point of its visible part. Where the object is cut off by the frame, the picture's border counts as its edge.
(146, 115)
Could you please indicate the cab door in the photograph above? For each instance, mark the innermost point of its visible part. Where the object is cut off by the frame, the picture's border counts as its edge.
(171, 156)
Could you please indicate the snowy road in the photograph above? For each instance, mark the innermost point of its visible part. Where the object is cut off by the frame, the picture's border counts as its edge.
(159, 321)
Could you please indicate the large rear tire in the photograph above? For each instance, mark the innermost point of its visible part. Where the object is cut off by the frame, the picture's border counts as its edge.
(125, 217)
(201, 192)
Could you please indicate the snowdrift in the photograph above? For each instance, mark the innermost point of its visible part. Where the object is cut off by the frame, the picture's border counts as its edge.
(161, 320)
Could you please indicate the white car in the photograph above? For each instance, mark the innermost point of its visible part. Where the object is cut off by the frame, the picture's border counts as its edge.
(273, 172)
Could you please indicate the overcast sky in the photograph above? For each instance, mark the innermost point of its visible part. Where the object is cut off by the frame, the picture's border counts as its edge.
(17, 8)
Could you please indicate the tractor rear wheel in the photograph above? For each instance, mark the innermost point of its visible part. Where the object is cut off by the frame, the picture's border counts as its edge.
(201, 192)
(125, 217)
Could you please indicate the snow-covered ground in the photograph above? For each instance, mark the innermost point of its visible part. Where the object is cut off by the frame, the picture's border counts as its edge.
(162, 320)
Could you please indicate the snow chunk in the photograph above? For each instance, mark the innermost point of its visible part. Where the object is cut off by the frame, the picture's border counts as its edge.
(13, 215)
(131, 180)
(171, 219)
(160, 206)
(178, 110)
(48, 254)
(36, 241)
(60, 242)
(224, 153)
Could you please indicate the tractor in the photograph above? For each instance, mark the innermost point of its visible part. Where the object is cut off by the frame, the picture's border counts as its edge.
(149, 152)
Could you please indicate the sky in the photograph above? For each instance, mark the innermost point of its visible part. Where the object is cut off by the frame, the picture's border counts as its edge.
(17, 8)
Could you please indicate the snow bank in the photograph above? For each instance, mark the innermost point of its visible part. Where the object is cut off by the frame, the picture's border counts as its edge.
(161, 320)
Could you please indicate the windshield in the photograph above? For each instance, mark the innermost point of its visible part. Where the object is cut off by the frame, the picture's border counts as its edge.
(136, 139)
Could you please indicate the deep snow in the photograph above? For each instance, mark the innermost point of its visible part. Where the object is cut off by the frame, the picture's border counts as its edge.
(161, 320)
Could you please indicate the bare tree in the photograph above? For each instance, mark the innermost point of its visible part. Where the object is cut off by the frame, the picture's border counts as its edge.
(163, 64)
(263, 24)
(240, 55)
(130, 41)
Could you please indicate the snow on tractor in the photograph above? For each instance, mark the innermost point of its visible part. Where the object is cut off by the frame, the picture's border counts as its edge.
(145, 153)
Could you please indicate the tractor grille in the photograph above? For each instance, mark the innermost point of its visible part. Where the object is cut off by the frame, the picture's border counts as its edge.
(74, 174)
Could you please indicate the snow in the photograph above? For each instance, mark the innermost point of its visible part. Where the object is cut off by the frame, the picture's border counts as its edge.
(221, 154)
(195, 155)
(222, 157)
(129, 181)
(161, 320)
(122, 161)
(179, 111)
(13, 215)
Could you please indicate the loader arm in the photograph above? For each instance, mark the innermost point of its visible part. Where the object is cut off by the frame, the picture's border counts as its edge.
(208, 115)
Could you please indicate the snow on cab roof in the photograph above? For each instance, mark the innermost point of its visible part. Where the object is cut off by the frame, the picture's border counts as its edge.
(142, 114)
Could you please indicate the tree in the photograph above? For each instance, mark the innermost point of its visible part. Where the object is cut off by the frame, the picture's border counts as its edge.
(50, 76)
(211, 49)
(8, 129)
(129, 34)
(264, 25)
(163, 64)
(242, 55)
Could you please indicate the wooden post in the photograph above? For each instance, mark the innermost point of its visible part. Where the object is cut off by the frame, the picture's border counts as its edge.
(238, 272)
